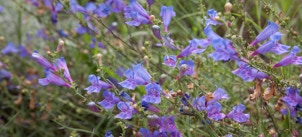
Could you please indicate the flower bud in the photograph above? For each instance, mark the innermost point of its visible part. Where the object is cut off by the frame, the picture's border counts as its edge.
(60, 45)
(99, 57)
(228, 7)
(156, 31)
(162, 79)
(152, 17)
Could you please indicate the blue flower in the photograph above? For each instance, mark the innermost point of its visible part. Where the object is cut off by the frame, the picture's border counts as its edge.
(272, 45)
(4, 74)
(149, 107)
(126, 110)
(150, 2)
(75, 7)
(109, 100)
(137, 75)
(199, 103)
(223, 50)
(292, 97)
(61, 65)
(117, 6)
(291, 58)
(193, 47)
(53, 79)
(10, 48)
(108, 134)
(145, 132)
(153, 93)
(103, 10)
(126, 96)
(248, 73)
(137, 13)
(237, 114)
(167, 12)
(156, 31)
(213, 111)
(42, 61)
(168, 41)
(96, 84)
(212, 21)
(269, 30)
(218, 94)
(170, 61)
(92, 106)
(186, 67)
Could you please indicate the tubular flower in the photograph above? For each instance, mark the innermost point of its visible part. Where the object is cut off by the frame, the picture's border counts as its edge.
(53, 79)
(212, 21)
(42, 61)
(10, 48)
(96, 84)
(167, 13)
(137, 75)
(186, 67)
(196, 46)
(237, 114)
(224, 50)
(153, 93)
(137, 13)
(269, 30)
(213, 111)
(218, 94)
(126, 110)
(170, 61)
(272, 46)
(109, 100)
(291, 58)
(248, 73)
(61, 65)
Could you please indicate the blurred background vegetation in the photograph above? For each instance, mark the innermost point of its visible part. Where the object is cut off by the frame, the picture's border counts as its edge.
(28, 109)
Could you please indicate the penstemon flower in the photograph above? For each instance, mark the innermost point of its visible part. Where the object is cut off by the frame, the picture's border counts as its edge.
(291, 58)
(272, 46)
(248, 73)
(109, 100)
(137, 13)
(167, 12)
(213, 111)
(153, 93)
(61, 65)
(170, 61)
(42, 61)
(10, 48)
(212, 20)
(196, 46)
(237, 114)
(96, 84)
(269, 30)
(53, 79)
(126, 110)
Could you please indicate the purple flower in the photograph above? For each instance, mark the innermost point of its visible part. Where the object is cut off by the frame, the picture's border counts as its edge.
(126, 96)
(103, 10)
(192, 48)
(75, 7)
(149, 107)
(90, 7)
(58, 7)
(48, 3)
(292, 97)
(199, 103)
(61, 65)
(145, 132)
(167, 12)
(108, 134)
(186, 67)
(217, 95)
(269, 30)
(153, 93)
(1, 9)
(150, 2)
(4, 74)
(170, 61)
(62, 33)
(92, 106)
(167, 125)
(213, 111)
(137, 75)
(248, 73)
(291, 58)
(126, 110)
(237, 114)
(272, 45)
(34, 2)
(137, 13)
(169, 42)
(156, 31)
(53, 79)
(211, 35)
(96, 84)
(117, 6)
(10, 48)
(42, 61)
(224, 50)
(212, 21)
(109, 100)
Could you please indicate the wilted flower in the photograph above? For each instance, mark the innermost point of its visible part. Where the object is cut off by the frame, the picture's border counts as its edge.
(291, 58)
(126, 110)
(269, 30)
(237, 114)
(109, 100)
(96, 84)
(167, 13)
